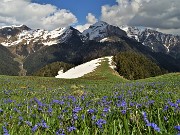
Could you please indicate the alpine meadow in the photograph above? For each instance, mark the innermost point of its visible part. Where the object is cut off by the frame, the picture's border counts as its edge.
(106, 67)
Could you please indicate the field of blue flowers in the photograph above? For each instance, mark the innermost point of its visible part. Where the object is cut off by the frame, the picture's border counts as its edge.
(143, 107)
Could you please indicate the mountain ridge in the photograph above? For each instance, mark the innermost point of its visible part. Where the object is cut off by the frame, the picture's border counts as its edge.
(38, 48)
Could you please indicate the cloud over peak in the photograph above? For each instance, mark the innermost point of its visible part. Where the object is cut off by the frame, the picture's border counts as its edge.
(160, 14)
(34, 15)
(91, 19)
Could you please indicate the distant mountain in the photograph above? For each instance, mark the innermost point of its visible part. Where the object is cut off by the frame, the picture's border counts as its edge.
(34, 49)
(157, 41)
(22, 40)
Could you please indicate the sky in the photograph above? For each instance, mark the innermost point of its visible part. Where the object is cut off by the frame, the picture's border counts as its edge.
(161, 15)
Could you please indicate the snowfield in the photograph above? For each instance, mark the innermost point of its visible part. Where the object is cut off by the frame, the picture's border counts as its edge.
(83, 69)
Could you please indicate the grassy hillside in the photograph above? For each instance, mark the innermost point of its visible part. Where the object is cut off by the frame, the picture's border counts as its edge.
(101, 102)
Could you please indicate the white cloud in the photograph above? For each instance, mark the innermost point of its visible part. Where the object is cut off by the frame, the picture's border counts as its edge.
(91, 19)
(34, 15)
(161, 14)
(121, 13)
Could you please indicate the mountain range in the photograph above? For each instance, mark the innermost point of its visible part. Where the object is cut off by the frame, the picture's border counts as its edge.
(25, 51)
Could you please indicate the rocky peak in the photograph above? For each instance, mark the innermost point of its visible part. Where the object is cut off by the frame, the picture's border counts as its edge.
(101, 30)
(7, 31)
(157, 41)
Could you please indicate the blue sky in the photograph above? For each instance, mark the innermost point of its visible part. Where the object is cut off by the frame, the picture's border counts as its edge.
(80, 8)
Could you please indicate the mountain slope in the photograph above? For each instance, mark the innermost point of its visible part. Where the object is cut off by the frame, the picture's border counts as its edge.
(8, 66)
(134, 66)
(157, 41)
(96, 69)
(68, 52)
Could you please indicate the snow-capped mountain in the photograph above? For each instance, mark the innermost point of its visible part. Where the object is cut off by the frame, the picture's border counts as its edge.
(102, 30)
(34, 49)
(157, 41)
(15, 35)
(22, 40)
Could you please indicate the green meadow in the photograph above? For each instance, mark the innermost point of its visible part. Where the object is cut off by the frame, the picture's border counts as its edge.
(100, 103)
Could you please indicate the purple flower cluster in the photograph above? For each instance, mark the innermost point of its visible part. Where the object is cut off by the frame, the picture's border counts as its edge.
(5, 131)
(42, 125)
(70, 129)
(100, 122)
(153, 125)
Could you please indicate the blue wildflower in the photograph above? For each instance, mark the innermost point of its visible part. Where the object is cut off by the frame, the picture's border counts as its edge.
(5, 131)
(103, 115)
(20, 118)
(35, 128)
(138, 105)
(177, 128)
(82, 97)
(100, 122)
(56, 101)
(93, 117)
(131, 104)
(83, 116)
(123, 112)
(44, 125)
(77, 109)
(145, 117)
(150, 102)
(106, 109)
(75, 117)
(16, 110)
(60, 132)
(1, 110)
(166, 107)
(165, 118)
(50, 110)
(91, 111)
(28, 123)
(153, 125)
(70, 129)
(38, 102)
(123, 104)
(172, 104)
(178, 101)
(40, 109)
(60, 117)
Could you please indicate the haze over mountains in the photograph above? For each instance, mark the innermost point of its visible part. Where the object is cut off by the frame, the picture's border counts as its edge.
(33, 49)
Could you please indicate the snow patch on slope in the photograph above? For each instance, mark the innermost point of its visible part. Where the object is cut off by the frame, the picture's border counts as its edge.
(83, 69)
(104, 40)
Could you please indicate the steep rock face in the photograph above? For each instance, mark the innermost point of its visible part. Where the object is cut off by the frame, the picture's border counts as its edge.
(101, 30)
(157, 41)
